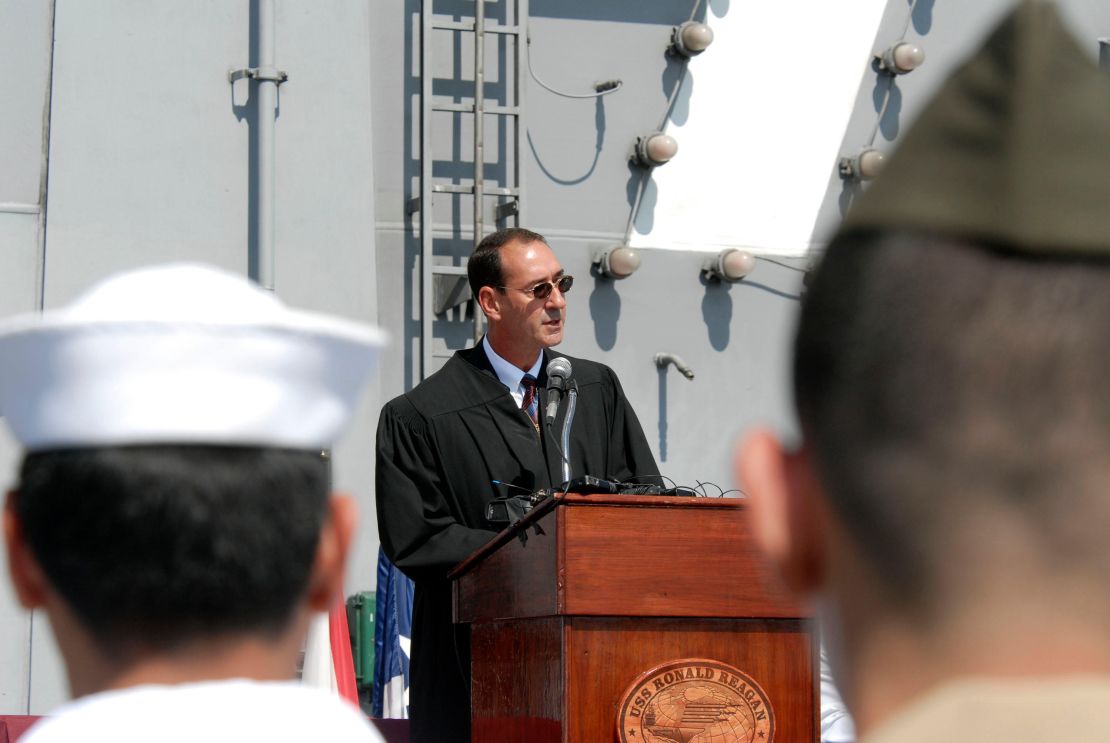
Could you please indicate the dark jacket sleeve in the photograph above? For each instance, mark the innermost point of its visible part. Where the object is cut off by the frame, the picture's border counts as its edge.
(417, 530)
(630, 457)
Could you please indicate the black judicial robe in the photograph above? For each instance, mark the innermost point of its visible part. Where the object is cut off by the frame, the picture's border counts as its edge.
(439, 448)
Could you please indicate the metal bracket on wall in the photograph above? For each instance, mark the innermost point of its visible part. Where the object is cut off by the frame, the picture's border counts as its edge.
(448, 292)
(258, 73)
(261, 74)
(506, 210)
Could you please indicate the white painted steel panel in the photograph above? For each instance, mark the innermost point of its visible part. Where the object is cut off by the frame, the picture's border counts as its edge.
(783, 92)
(148, 157)
(15, 626)
(49, 686)
(25, 59)
(19, 236)
(324, 257)
(18, 258)
(768, 105)
(150, 162)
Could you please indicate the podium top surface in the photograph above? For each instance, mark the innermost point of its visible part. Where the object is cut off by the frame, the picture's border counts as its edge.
(614, 555)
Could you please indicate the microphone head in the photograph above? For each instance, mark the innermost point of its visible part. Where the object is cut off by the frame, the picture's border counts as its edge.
(558, 367)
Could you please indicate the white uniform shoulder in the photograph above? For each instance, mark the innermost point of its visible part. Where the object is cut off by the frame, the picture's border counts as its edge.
(230, 711)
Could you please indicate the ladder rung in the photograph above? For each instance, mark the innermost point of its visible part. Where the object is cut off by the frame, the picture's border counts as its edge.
(453, 25)
(448, 270)
(451, 188)
(454, 188)
(468, 108)
(491, 28)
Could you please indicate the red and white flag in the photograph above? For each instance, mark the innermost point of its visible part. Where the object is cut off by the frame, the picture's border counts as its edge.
(328, 663)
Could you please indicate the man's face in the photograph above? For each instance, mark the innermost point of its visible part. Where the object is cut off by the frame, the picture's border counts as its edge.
(527, 324)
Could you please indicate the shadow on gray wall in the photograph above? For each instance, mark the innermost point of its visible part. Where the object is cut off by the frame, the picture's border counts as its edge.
(678, 85)
(771, 290)
(886, 96)
(680, 111)
(717, 306)
(617, 11)
(627, 11)
(663, 414)
(599, 123)
(605, 309)
(849, 192)
(641, 204)
(922, 15)
(716, 312)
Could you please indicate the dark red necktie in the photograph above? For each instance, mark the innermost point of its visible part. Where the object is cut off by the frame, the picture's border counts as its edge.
(530, 404)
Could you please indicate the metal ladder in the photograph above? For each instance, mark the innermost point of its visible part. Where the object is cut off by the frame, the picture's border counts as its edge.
(443, 285)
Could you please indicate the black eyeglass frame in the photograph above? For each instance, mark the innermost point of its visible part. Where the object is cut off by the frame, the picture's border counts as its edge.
(543, 289)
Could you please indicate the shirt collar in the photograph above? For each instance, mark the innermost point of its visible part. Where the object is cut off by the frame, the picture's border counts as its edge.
(509, 374)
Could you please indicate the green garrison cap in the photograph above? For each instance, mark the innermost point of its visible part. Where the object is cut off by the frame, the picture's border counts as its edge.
(1014, 149)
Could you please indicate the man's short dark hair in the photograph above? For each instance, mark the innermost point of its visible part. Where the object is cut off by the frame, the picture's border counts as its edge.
(484, 266)
(153, 547)
(940, 380)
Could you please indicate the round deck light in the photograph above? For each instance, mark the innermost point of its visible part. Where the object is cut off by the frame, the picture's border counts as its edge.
(730, 265)
(691, 38)
(864, 166)
(656, 149)
(901, 58)
(618, 262)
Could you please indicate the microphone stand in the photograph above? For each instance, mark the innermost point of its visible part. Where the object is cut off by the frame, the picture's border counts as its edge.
(572, 400)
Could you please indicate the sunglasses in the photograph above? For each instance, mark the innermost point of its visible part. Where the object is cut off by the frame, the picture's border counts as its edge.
(543, 289)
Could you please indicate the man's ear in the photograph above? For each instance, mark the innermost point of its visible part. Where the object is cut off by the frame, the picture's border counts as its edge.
(489, 299)
(787, 517)
(331, 553)
(26, 574)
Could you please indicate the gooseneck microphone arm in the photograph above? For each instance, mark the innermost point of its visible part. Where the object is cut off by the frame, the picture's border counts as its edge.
(572, 402)
(558, 382)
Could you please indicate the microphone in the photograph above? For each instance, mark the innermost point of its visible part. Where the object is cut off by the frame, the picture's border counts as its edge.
(558, 372)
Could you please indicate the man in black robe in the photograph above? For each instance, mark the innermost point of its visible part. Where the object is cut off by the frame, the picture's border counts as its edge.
(442, 446)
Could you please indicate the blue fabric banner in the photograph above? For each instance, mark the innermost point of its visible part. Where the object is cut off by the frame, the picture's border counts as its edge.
(392, 639)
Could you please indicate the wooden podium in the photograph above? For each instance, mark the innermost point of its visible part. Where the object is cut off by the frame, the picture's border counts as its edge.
(657, 610)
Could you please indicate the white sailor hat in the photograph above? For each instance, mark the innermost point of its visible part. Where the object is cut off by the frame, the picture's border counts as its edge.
(181, 354)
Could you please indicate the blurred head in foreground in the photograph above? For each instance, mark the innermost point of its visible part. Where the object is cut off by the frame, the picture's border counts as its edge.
(947, 505)
(173, 514)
